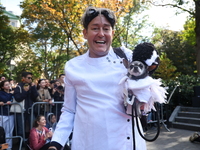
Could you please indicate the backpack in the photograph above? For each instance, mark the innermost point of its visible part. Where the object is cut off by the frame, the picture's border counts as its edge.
(2, 135)
(120, 53)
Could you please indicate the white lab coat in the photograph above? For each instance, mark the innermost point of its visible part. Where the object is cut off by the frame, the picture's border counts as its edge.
(93, 105)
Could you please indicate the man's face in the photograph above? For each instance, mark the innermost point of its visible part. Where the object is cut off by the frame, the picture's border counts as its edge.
(62, 78)
(47, 83)
(27, 79)
(99, 36)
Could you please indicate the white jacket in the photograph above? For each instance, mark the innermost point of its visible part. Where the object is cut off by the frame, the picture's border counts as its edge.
(93, 105)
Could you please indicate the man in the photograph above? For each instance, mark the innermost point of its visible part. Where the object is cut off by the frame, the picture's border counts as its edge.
(61, 79)
(26, 90)
(93, 100)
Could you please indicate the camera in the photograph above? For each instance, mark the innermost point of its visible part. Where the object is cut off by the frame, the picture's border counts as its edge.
(60, 88)
(55, 86)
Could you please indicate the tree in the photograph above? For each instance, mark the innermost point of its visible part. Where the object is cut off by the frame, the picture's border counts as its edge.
(166, 70)
(188, 32)
(129, 28)
(28, 61)
(7, 41)
(56, 29)
(193, 8)
(67, 15)
(11, 43)
(179, 51)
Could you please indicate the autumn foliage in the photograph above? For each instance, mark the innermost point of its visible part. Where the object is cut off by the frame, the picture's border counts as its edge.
(66, 15)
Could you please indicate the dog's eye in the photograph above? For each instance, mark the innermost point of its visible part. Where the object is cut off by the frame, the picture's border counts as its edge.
(141, 66)
(131, 66)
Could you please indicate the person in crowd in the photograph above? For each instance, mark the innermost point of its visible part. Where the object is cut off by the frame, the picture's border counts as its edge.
(44, 96)
(25, 91)
(48, 85)
(51, 122)
(40, 136)
(93, 99)
(58, 95)
(61, 79)
(12, 84)
(51, 87)
(6, 119)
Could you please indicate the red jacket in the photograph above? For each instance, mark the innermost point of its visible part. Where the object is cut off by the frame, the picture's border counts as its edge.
(36, 139)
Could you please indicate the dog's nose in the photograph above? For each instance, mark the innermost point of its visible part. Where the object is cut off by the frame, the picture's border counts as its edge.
(135, 68)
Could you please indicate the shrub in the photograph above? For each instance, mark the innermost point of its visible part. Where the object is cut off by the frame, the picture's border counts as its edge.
(184, 89)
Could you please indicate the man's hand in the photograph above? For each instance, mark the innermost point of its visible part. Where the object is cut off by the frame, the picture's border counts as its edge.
(12, 91)
(32, 84)
(45, 100)
(8, 102)
(26, 87)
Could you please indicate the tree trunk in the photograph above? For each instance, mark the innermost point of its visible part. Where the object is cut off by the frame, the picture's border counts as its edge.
(197, 31)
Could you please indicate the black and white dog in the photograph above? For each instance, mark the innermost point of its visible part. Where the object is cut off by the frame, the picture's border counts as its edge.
(138, 81)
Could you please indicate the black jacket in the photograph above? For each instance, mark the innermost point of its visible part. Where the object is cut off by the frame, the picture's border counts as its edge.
(29, 96)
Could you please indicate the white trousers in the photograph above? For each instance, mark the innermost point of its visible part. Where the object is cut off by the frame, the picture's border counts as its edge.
(7, 122)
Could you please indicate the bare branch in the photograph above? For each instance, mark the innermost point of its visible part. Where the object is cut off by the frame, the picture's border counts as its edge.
(175, 6)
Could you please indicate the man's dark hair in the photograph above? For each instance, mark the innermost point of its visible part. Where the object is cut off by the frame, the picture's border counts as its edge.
(52, 81)
(25, 74)
(61, 75)
(10, 80)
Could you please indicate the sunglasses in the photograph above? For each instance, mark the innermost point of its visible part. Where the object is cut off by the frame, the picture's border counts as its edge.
(29, 78)
(92, 13)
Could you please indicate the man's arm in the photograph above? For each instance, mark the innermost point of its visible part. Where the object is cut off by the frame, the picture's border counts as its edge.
(19, 94)
(66, 121)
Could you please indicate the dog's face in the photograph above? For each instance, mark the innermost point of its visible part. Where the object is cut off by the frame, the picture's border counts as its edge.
(137, 69)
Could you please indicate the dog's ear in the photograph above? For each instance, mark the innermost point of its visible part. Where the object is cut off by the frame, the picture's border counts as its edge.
(152, 67)
(126, 63)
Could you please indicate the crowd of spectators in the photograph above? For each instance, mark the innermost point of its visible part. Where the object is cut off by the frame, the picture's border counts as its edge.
(27, 92)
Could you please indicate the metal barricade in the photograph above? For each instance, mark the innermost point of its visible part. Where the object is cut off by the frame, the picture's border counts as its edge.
(44, 108)
(9, 123)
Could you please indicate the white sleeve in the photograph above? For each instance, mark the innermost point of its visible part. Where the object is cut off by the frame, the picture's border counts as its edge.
(66, 122)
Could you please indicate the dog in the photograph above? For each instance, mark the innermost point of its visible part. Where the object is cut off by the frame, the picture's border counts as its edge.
(138, 81)
(145, 61)
(137, 70)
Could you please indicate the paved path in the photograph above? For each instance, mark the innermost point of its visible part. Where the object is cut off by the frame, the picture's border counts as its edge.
(175, 139)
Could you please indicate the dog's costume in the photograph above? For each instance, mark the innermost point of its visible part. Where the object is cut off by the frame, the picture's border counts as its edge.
(138, 81)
